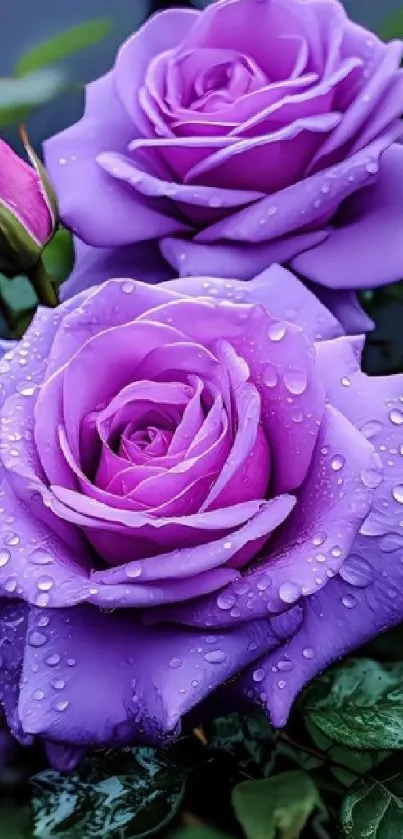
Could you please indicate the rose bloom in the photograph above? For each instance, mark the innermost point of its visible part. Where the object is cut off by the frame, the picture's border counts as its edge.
(235, 137)
(201, 494)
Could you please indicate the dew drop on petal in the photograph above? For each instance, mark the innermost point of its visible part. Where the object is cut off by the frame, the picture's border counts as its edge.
(396, 416)
(337, 462)
(258, 675)
(349, 601)
(295, 380)
(215, 656)
(62, 705)
(38, 695)
(226, 600)
(53, 660)
(37, 639)
(308, 653)
(284, 665)
(175, 663)
(5, 557)
(269, 376)
(319, 539)
(289, 592)
(277, 331)
(397, 493)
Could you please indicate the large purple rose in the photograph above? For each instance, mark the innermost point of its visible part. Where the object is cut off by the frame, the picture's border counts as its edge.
(195, 490)
(247, 134)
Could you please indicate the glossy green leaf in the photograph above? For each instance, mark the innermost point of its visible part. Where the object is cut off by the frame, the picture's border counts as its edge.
(18, 97)
(373, 808)
(277, 807)
(359, 704)
(63, 45)
(344, 763)
(131, 792)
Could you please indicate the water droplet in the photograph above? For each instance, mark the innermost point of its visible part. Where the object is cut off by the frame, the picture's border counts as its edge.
(45, 583)
(195, 683)
(215, 202)
(42, 600)
(281, 684)
(226, 600)
(289, 592)
(252, 647)
(40, 557)
(5, 557)
(396, 416)
(397, 493)
(272, 211)
(337, 462)
(133, 571)
(349, 601)
(319, 539)
(277, 331)
(58, 684)
(215, 656)
(25, 389)
(308, 653)
(258, 675)
(284, 665)
(10, 585)
(128, 286)
(269, 376)
(53, 660)
(263, 584)
(372, 166)
(38, 695)
(336, 551)
(71, 662)
(175, 663)
(227, 546)
(11, 539)
(37, 639)
(61, 706)
(295, 380)
(371, 478)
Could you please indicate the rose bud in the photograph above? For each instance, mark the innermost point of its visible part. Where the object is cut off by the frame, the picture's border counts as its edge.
(28, 210)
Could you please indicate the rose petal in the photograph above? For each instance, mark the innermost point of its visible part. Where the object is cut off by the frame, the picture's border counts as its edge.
(295, 303)
(151, 677)
(328, 514)
(364, 251)
(71, 160)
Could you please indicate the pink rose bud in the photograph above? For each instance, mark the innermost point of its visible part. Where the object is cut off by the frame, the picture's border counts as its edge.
(28, 209)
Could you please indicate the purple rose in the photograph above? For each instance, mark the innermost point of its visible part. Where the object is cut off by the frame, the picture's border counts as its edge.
(195, 490)
(246, 134)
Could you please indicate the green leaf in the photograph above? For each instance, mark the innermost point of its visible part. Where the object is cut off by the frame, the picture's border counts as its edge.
(359, 704)
(391, 26)
(275, 807)
(63, 45)
(131, 792)
(249, 738)
(18, 97)
(58, 256)
(345, 764)
(373, 808)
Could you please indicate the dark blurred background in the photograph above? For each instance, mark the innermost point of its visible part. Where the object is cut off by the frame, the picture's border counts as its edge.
(26, 22)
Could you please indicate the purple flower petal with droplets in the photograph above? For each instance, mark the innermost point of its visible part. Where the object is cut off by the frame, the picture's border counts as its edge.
(244, 123)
